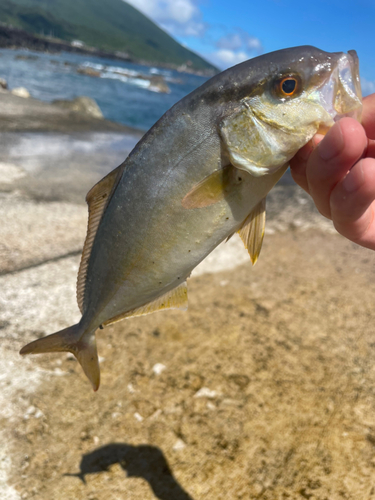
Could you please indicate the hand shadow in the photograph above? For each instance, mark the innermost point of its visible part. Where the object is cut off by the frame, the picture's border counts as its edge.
(143, 461)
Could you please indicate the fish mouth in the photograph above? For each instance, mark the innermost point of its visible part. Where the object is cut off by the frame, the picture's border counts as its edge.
(348, 99)
(341, 94)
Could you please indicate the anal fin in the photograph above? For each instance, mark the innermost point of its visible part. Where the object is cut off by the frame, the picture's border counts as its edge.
(97, 199)
(174, 299)
(252, 230)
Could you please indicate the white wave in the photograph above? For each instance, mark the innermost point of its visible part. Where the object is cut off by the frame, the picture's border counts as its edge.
(158, 71)
(139, 82)
(111, 69)
(122, 71)
(98, 67)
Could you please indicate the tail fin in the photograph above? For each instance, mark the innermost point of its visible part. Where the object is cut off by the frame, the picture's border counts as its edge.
(80, 343)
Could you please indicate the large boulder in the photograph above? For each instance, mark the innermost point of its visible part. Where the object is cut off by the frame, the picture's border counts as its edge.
(83, 105)
(158, 84)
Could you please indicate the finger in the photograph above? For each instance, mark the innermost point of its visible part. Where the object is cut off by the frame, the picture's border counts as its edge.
(299, 162)
(298, 165)
(334, 156)
(370, 151)
(352, 204)
(368, 116)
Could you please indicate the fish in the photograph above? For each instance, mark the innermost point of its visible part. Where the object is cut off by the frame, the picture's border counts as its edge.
(198, 176)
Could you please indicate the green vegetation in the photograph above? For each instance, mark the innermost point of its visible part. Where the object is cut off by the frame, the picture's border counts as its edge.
(111, 25)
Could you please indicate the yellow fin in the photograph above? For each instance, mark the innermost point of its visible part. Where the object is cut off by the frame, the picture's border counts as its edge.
(252, 230)
(174, 299)
(213, 188)
(72, 339)
(97, 199)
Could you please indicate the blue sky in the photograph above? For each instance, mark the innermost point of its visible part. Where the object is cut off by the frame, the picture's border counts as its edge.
(227, 32)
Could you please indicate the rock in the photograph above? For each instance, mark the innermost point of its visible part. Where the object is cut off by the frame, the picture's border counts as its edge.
(158, 368)
(23, 57)
(10, 173)
(158, 84)
(88, 71)
(26, 115)
(83, 105)
(3, 84)
(21, 92)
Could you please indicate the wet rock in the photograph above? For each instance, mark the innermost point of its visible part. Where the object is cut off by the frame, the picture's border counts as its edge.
(88, 71)
(3, 84)
(83, 105)
(158, 84)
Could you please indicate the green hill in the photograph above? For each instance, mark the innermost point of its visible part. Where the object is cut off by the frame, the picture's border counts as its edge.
(110, 25)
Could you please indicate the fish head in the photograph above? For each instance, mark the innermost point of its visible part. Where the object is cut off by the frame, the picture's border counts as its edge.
(302, 91)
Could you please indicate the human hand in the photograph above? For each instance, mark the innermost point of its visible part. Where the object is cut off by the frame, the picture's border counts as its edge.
(338, 171)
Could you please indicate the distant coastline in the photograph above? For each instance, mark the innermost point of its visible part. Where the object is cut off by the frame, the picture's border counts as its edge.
(17, 38)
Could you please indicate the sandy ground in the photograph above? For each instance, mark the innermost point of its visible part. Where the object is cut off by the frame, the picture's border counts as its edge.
(263, 389)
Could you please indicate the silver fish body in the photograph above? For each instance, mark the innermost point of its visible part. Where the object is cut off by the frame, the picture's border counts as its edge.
(200, 174)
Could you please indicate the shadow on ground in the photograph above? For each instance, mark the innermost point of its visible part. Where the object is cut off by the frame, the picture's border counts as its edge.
(147, 462)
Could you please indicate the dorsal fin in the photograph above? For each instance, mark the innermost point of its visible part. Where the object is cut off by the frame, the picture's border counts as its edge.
(97, 199)
(252, 230)
(174, 299)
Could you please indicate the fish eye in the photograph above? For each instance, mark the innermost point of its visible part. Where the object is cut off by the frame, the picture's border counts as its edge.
(287, 86)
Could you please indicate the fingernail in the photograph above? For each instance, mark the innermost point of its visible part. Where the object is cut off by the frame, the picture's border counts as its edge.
(354, 178)
(317, 139)
(332, 144)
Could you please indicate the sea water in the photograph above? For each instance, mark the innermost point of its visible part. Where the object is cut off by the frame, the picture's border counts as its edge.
(122, 97)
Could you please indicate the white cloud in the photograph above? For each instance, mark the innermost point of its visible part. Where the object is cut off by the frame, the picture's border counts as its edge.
(178, 17)
(183, 18)
(239, 39)
(224, 58)
(232, 41)
(254, 44)
(234, 48)
(368, 87)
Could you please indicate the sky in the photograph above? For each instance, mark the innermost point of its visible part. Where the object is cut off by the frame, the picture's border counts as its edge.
(226, 32)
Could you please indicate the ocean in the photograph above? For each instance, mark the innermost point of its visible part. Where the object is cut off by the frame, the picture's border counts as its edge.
(121, 95)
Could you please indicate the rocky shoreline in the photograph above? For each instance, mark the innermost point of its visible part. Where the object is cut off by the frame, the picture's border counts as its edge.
(25, 114)
(16, 38)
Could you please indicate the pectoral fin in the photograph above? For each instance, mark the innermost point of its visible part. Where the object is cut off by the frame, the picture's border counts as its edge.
(215, 187)
(252, 230)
